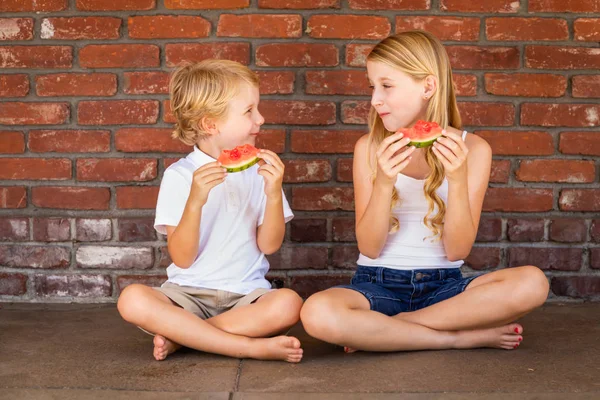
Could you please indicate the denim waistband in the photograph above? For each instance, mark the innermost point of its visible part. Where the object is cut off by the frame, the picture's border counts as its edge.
(409, 276)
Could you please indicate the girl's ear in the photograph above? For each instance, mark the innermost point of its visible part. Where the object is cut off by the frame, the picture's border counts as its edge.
(429, 86)
(208, 125)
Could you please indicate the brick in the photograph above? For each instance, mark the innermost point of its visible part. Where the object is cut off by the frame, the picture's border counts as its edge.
(571, 171)
(568, 230)
(35, 168)
(12, 142)
(526, 29)
(116, 169)
(561, 57)
(584, 143)
(546, 258)
(81, 286)
(530, 143)
(299, 4)
(168, 114)
(595, 231)
(168, 27)
(93, 229)
(16, 28)
(69, 141)
(348, 27)
(37, 57)
(179, 53)
(343, 230)
(306, 285)
(518, 200)
(13, 284)
(154, 82)
(355, 112)
(325, 141)
(297, 55)
(51, 229)
(595, 258)
(409, 5)
(484, 258)
(526, 85)
(260, 26)
(322, 198)
(483, 57)
(33, 5)
(205, 4)
(344, 170)
(581, 287)
(111, 5)
(149, 140)
(481, 6)
(16, 85)
(337, 82)
(46, 257)
(356, 54)
(545, 114)
(344, 257)
(579, 200)
(587, 29)
(18, 113)
(308, 230)
(76, 85)
(276, 82)
(119, 56)
(13, 197)
(307, 257)
(80, 28)
(149, 280)
(500, 171)
(297, 171)
(578, 6)
(117, 112)
(586, 85)
(272, 139)
(112, 257)
(137, 197)
(14, 229)
(487, 114)
(525, 230)
(465, 84)
(136, 229)
(302, 112)
(443, 27)
(70, 198)
(490, 230)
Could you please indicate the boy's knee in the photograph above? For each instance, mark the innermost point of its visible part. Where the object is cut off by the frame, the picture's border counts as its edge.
(131, 301)
(287, 305)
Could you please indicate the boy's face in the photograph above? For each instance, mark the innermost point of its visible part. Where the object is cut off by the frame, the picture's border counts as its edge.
(241, 124)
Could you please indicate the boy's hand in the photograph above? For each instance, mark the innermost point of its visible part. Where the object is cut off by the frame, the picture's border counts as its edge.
(271, 169)
(205, 178)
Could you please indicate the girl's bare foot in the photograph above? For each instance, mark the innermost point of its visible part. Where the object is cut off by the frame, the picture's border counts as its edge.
(163, 347)
(507, 337)
(286, 348)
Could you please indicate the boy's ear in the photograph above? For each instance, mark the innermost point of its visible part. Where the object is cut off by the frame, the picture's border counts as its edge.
(208, 125)
(429, 86)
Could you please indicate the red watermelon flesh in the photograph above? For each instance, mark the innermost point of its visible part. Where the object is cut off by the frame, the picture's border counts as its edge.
(239, 159)
(423, 133)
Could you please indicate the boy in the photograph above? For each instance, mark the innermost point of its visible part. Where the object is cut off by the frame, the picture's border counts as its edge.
(219, 227)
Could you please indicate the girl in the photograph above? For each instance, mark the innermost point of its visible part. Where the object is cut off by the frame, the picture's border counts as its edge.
(417, 213)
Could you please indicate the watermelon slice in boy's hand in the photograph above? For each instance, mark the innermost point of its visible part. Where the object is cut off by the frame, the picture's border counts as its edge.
(239, 159)
(422, 134)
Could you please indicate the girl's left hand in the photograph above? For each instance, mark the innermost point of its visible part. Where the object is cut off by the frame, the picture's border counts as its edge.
(271, 169)
(452, 152)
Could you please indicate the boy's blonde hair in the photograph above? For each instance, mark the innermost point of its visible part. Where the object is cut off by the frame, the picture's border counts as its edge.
(419, 54)
(203, 90)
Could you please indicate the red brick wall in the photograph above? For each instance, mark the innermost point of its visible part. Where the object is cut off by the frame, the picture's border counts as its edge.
(84, 130)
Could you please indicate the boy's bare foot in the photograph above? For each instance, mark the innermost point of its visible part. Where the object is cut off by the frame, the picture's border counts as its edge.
(163, 347)
(285, 348)
(507, 337)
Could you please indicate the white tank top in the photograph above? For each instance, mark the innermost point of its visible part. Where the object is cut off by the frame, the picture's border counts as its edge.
(411, 247)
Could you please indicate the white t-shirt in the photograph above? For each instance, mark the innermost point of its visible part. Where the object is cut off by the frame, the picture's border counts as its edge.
(228, 255)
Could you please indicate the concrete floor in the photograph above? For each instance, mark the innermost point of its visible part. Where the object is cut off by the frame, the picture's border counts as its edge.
(88, 352)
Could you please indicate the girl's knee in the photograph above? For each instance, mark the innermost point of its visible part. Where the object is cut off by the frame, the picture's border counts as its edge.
(318, 315)
(534, 286)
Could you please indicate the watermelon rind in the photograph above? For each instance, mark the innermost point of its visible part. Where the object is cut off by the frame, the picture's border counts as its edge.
(241, 166)
(424, 143)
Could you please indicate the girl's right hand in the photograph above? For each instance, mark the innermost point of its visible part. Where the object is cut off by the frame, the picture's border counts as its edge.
(392, 157)
(205, 178)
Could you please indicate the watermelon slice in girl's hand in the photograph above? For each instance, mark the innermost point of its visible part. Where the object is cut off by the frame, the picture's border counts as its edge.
(422, 134)
(239, 159)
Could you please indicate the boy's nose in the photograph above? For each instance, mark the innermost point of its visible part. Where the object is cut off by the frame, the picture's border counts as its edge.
(260, 120)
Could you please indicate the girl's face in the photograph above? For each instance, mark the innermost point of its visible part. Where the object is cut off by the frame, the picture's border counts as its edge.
(397, 97)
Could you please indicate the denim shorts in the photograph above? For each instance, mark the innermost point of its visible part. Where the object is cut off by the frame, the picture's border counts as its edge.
(392, 291)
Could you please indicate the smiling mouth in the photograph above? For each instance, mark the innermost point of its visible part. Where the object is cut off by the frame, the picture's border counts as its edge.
(383, 114)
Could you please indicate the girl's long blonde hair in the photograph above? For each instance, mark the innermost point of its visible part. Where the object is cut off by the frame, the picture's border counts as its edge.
(419, 54)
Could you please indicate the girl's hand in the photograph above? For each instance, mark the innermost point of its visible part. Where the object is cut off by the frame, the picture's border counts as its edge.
(271, 169)
(204, 179)
(392, 157)
(452, 152)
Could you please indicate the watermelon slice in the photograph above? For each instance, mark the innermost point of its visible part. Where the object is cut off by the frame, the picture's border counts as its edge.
(423, 133)
(239, 159)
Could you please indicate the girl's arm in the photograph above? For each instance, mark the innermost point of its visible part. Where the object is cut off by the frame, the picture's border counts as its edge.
(468, 171)
(271, 232)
